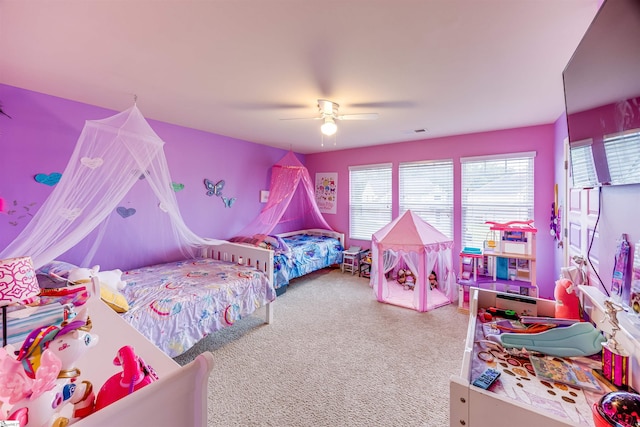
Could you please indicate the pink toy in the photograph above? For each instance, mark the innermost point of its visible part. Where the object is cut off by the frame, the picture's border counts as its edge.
(135, 375)
(567, 302)
(49, 380)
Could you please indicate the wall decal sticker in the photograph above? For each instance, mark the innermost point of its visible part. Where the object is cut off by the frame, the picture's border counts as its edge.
(125, 212)
(228, 201)
(51, 179)
(16, 213)
(214, 189)
(177, 186)
(91, 163)
(70, 214)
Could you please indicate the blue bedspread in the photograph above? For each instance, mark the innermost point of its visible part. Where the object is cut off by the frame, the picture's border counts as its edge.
(307, 253)
(176, 304)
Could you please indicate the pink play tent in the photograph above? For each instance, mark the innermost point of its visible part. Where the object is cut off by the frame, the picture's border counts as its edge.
(422, 248)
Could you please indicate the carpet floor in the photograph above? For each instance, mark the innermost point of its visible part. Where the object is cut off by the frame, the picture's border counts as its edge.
(334, 356)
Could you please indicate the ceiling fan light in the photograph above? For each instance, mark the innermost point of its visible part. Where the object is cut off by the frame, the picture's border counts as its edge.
(329, 126)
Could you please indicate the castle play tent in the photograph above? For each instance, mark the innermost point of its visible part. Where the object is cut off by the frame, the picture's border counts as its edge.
(422, 248)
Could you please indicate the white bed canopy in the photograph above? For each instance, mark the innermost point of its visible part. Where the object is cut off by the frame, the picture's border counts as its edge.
(111, 155)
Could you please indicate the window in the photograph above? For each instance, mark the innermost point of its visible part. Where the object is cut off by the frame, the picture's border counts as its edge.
(369, 199)
(426, 188)
(623, 155)
(495, 188)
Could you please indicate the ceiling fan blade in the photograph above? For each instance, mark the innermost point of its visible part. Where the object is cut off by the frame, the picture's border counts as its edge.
(384, 104)
(302, 118)
(364, 116)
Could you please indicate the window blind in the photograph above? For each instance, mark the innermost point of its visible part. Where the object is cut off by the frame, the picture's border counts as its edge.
(495, 188)
(623, 157)
(369, 199)
(583, 168)
(426, 188)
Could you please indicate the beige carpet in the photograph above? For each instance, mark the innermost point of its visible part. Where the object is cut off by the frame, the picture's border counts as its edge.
(334, 356)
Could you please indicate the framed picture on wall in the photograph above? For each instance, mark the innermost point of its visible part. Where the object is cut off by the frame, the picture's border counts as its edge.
(327, 191)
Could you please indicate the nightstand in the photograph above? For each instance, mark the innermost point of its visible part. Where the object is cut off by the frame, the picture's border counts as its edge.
(351, 259)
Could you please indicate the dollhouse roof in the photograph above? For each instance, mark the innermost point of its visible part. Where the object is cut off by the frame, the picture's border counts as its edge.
(409, 232)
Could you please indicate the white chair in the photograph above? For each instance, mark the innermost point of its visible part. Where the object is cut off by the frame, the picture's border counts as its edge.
(351, 259)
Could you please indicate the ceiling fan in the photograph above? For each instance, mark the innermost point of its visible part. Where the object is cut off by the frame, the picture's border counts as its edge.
(329, 115)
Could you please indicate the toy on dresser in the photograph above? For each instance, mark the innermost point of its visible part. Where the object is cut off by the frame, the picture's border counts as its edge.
(135, 375)
(43, 378)
(567, 301)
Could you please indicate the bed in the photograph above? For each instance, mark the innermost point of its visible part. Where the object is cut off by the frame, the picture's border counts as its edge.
(307, 251)
(176, 304)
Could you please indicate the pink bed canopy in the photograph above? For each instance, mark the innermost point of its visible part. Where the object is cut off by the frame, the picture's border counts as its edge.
(291, 201)
(423, 249)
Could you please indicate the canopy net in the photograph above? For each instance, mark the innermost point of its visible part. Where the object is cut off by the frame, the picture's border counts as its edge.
(110, 156)
(291, 204)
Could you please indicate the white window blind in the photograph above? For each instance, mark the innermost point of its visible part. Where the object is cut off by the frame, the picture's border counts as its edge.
(623, 157)
(426, 188)
(583, 168)
(369, 199)
(495, 188)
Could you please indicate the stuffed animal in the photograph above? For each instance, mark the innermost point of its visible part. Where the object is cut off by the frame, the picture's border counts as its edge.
(567, 302)
(110, 284)
(45, 368)
(110, 278)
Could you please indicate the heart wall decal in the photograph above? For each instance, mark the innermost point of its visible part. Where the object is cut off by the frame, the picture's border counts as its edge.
(51, 179)
(70, 214)
(92, 163)
(125, 212)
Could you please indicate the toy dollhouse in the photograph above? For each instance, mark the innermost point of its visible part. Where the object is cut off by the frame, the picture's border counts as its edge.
(507, 261)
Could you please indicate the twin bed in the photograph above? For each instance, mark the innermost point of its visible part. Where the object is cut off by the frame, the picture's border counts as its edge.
(174, 305)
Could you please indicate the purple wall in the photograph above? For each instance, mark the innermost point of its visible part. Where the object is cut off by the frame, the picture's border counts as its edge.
(42, 133)
(540, 139)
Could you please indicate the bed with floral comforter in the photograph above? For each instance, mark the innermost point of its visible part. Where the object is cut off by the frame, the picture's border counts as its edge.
(177, 304)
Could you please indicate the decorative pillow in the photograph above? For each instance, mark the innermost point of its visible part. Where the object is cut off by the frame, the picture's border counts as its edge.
(114, 299)
(277, 243)
(54, 274)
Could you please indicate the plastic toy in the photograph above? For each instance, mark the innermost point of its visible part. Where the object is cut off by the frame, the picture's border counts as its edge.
(135, 375)
(50, 378)
(579, 339)
(567, 302)
(110, 278)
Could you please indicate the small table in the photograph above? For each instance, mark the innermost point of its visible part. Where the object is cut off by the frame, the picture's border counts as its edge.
(364, 269)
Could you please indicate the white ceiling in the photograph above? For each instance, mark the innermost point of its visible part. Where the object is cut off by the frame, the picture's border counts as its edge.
(237, 67)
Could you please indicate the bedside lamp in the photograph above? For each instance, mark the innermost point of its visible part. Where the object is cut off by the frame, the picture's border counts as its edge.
(17, 283)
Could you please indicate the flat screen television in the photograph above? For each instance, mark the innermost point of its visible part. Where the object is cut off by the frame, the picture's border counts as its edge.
(602, 98)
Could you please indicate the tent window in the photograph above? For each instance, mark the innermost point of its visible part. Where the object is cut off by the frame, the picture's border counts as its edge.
(426, 188)
(369, 199)
(495, 188)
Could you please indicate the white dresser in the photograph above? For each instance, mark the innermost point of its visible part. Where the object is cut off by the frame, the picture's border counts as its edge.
(523, 403)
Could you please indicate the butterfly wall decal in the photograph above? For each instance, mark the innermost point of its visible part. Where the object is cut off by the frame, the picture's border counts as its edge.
(214, 189)
(228, 201)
